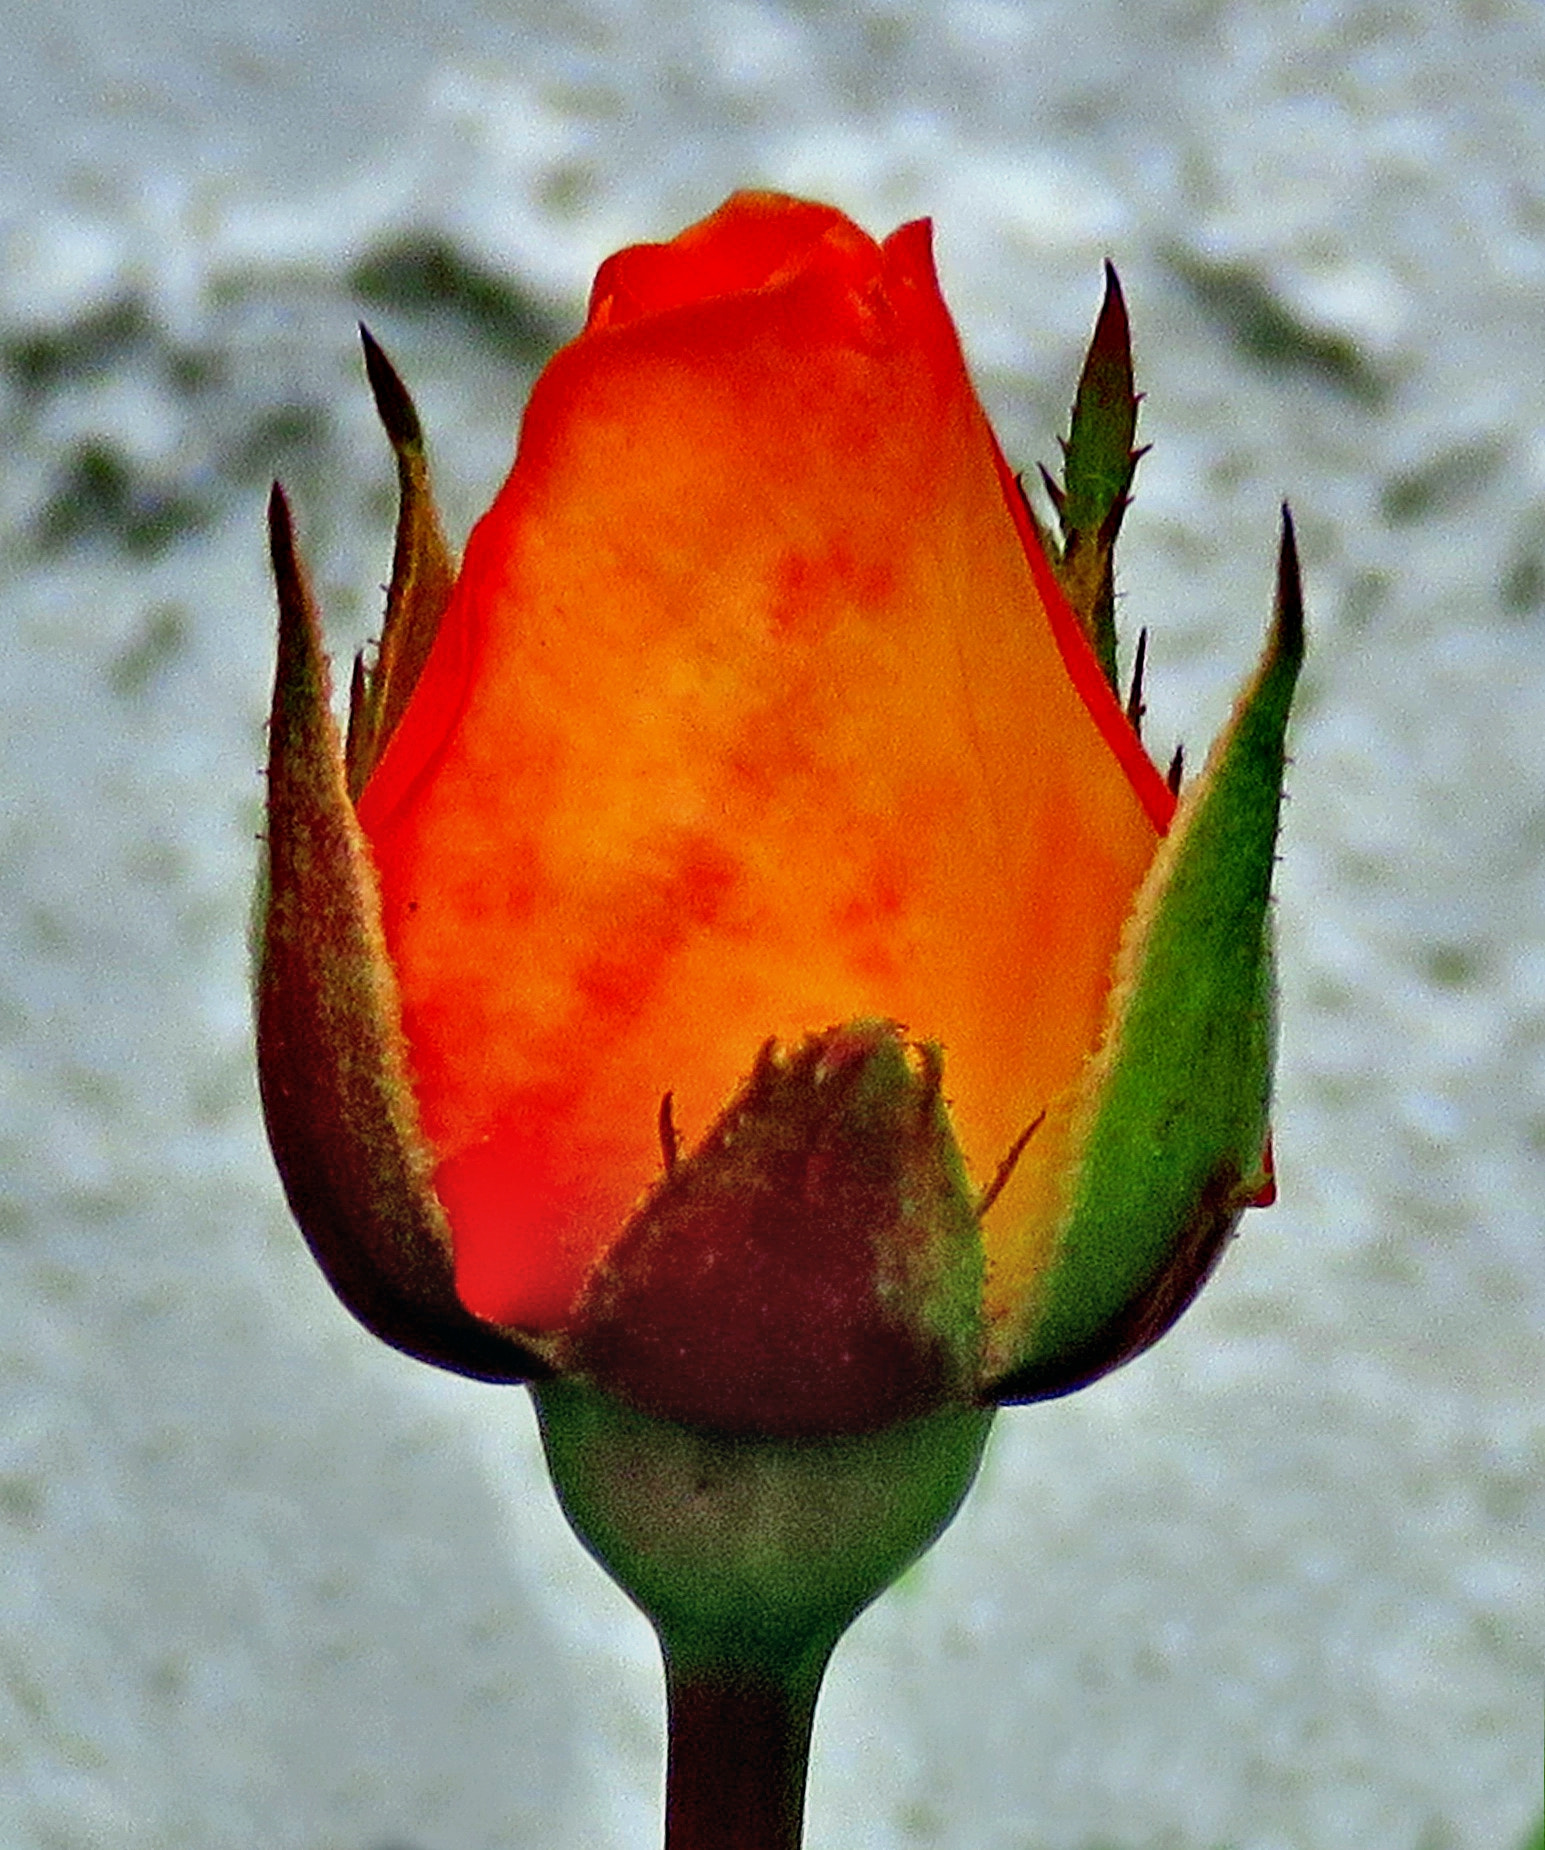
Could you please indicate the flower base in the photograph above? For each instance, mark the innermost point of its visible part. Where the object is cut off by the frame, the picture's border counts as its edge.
(750, 1557)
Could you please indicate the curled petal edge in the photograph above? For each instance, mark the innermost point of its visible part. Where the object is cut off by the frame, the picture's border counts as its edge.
(1171, 1122)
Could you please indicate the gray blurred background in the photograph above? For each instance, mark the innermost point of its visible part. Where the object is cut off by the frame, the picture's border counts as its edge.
(1276, 1586)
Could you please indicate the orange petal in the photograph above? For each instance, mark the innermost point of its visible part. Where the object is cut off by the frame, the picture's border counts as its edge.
(755, 710)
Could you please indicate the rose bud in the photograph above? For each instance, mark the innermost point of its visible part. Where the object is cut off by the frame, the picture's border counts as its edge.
(744, 960)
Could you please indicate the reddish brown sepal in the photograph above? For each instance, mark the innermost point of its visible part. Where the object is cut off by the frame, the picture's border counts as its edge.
(813, 1267)
(330, 1061)
(423, 573)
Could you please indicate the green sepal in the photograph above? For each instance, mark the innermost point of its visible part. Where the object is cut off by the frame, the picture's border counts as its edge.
(332, 1066)
(1173, 1142)
(1098, 463)
(747, 1550)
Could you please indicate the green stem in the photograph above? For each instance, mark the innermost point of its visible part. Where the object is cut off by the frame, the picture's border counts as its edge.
(739, 1748)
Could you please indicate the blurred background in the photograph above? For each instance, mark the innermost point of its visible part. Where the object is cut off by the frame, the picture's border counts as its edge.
(1280, 1584)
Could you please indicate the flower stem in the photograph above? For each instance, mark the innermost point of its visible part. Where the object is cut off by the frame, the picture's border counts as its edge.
(739, 1747)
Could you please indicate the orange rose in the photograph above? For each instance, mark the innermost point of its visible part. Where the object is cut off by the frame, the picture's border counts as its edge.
(756, 714)
(755, 725)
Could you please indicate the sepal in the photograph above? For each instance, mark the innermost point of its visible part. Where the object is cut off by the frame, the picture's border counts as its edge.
(1098, 464)
(332, 1066)
(1172, 1132)
(814, 1266)
(423, 575)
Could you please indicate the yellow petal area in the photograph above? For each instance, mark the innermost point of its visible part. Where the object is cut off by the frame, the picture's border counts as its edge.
(746, 718)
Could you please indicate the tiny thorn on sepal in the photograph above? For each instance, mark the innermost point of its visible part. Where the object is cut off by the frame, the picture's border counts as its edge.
(1050, 544)
(1177, 771)
(1054, 494)
(670, 1141)
(359, 693)
(1007, 1167)
(1135, 707)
